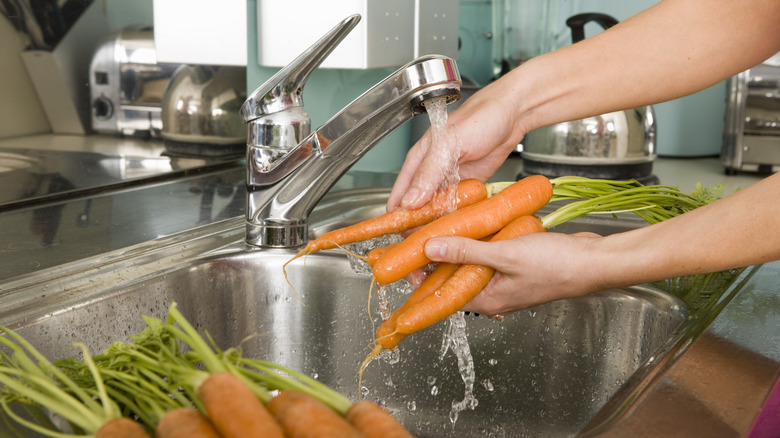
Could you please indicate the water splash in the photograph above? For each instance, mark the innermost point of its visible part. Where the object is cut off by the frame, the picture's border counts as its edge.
(390, 356)
(362, 248)
(384, 307)
(455, 340)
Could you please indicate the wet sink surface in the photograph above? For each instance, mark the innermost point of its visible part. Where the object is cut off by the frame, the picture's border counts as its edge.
(546, 371)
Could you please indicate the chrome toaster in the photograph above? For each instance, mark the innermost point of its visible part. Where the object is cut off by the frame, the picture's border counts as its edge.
(127, 84)
(751, 140)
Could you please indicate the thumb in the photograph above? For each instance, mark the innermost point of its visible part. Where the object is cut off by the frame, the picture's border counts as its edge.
(459, 250)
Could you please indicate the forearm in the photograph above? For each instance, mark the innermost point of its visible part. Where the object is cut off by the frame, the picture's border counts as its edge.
(674, 48)
(739, 230)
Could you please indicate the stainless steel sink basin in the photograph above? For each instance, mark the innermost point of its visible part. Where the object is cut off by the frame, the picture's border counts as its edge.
(546, 371)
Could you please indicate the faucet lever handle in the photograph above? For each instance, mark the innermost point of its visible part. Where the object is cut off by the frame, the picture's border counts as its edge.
(284, 89)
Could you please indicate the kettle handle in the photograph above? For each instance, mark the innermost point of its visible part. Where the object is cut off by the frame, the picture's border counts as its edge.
(577, 23)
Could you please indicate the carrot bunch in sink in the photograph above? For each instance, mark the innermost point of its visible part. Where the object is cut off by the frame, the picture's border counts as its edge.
(490, 212)
(151, 386)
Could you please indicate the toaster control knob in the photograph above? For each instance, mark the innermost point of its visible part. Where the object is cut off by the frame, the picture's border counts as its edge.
(103, 108)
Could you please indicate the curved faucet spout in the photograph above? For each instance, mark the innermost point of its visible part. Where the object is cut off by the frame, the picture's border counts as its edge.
(284, 187)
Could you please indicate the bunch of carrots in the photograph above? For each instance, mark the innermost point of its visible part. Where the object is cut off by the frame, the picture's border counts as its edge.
(150, 386)
(490, 212)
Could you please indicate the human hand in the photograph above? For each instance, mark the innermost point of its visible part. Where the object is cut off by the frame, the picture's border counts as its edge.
(485, 130)
(530, 270)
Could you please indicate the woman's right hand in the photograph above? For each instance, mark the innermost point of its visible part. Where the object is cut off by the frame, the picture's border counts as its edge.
(486, 129)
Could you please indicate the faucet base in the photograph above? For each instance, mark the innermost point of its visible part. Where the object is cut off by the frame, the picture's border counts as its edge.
(277, 235)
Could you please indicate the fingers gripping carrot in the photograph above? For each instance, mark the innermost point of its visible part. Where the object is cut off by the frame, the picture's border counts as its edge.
(374, 422)
(476, 221)
(387, 338)
(461, 287)
(469, 192)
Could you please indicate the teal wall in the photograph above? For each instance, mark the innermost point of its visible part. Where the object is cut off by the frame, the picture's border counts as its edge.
(122, 13)
(475, 57)
(328, 91)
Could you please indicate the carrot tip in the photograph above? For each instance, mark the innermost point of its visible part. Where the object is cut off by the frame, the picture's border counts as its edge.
(368, 305)
(371, 356)
(284, 270)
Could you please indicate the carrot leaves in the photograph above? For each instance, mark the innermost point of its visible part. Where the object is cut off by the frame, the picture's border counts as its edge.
(158, 370)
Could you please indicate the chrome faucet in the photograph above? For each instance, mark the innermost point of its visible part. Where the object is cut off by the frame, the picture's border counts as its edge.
(289, 168)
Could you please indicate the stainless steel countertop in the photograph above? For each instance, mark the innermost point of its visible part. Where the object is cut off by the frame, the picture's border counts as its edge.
(31, 172)
(77, 209)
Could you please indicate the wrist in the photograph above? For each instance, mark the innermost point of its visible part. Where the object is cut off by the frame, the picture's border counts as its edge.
(628, 259)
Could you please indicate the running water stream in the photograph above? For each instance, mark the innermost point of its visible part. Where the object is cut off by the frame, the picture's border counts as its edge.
(455, 340)
(443, 150)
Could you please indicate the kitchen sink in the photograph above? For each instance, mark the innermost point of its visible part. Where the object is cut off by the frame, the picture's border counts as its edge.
(545, 371)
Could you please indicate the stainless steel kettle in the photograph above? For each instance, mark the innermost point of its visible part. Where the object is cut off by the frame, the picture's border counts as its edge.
(617, 145)
(200, 111)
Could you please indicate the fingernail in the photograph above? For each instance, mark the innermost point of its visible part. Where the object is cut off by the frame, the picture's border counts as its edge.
(435, 249)
(411, 197)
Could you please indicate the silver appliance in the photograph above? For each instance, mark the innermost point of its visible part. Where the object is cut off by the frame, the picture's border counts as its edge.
(616, 145)
(751, 138)
(127, 84)
(200, 111)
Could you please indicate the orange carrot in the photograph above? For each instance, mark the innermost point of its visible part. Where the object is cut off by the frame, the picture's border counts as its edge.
(374, 422)
(375, 253)
(462, 286)
(121, 427)
(234, 409)
(303, 416)
(476, 221)
(185, 423)
(385, 337)
(469, 192)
